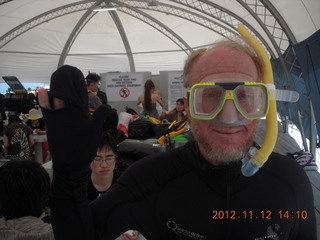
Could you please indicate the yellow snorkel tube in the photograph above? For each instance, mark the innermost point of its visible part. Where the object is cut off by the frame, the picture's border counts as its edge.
(255, 160)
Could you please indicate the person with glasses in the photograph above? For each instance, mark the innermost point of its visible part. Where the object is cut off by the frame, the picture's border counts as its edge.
(103, 172)
(196, 191)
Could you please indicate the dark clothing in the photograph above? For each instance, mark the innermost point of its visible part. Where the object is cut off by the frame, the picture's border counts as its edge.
(170, 195)
(93, 193)
(118, 135)
(2, 107)
(178, 195)
(18, 148)
(103, 97)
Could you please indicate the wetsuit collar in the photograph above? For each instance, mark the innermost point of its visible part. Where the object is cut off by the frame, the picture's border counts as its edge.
(204, 165)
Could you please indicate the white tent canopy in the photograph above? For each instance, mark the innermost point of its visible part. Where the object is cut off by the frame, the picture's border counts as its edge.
(37, 36)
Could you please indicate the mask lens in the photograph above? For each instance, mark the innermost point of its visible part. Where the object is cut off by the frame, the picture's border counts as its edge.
(251, 101)
(208, 100)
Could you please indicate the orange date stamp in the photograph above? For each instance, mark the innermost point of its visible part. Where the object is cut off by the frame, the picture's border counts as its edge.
(265, 214)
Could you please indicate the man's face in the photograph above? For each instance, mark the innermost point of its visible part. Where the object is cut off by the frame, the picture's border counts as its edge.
(104, 163)
(220, 142)
(94, 86)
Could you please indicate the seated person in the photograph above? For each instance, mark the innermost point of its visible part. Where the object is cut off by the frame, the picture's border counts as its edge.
(36, 123)
(17, 139)
(175, 114)
(103, 173)
(24, 194)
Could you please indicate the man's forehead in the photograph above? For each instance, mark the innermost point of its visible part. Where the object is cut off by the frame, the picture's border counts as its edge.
(224, 56)
(220, 61)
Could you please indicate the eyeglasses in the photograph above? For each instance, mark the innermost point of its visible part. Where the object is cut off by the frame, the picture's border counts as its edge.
(206, 100)
(108, 159)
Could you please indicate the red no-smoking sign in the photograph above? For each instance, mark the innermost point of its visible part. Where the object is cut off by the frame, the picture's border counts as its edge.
(124, 92)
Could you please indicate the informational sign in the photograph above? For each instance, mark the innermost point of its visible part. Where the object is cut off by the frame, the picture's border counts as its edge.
(123, 86)
(176, 89)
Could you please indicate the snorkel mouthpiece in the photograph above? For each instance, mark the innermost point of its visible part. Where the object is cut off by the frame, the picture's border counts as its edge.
(252, 163)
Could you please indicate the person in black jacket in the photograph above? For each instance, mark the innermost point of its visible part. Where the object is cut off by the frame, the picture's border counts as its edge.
(2, 107)
(93, 82)
(104, 174)
(193, 192)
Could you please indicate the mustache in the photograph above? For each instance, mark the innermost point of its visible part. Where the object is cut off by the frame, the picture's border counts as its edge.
(236, 123)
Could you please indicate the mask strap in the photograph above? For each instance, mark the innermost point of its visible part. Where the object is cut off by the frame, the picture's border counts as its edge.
(282, 95)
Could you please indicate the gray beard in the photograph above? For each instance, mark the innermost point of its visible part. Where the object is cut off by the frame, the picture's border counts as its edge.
(226, 155)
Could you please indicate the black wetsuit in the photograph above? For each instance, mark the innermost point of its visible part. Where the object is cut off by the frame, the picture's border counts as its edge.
(177, 195)
(170, 195)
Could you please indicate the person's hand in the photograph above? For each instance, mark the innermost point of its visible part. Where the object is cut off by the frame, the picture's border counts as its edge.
(73, 135)
(171, 111)
(130, 235)
(38, 131)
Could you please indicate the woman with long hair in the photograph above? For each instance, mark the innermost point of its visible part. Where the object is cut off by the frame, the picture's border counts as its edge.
(149, 99)
(175, 114)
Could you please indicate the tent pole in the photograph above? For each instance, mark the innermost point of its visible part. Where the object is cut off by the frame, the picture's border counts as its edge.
(313, 136)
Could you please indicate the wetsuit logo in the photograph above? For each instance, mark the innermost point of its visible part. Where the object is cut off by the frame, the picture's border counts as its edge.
(182, 232)
(273, 231)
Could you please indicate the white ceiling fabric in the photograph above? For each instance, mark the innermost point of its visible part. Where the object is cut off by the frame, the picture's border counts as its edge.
(99, 47)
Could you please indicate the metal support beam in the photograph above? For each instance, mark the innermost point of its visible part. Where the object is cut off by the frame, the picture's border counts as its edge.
(282, 62)
(125, 40)
(313, 136)
(75, 32)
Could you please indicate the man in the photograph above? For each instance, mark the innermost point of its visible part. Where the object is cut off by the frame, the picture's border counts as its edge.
(196, 191)
(93, 84)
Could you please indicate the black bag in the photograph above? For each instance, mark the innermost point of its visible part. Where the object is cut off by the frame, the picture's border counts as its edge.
(163, 129)
(140, 129)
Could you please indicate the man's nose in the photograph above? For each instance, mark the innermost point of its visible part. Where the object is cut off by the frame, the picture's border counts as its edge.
(104, 163)
(229, 113)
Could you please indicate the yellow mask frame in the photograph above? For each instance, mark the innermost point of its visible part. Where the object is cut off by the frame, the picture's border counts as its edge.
(229, 90)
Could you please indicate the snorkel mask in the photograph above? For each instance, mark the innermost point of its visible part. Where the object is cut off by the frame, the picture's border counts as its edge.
(251, 99)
